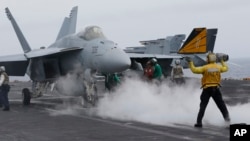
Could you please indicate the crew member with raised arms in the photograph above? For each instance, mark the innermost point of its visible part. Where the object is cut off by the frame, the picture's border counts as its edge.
(211, 78)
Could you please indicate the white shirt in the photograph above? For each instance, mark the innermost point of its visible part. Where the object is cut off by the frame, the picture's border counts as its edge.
(1, 79)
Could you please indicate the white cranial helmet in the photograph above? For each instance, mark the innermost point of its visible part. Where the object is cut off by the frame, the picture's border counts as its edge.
(2, 68)
(177, 62)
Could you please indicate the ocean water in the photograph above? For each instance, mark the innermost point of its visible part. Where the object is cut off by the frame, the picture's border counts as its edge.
(238, 68)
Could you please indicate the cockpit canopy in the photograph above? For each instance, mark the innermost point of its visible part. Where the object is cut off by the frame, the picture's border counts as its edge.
(90, 33)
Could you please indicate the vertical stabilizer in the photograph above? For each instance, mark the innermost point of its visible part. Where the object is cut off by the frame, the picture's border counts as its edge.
(176, 42)
(69, 24)
(20, 36)
(211, 37)
(196, 42)
(201, 40)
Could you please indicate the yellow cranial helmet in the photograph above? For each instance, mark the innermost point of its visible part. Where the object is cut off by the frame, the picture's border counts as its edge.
(211, 57)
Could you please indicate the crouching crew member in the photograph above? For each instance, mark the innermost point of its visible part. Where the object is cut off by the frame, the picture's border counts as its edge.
(111, 81)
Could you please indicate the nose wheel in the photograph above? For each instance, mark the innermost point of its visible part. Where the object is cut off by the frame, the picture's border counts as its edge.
(90, 96)
(26, 96)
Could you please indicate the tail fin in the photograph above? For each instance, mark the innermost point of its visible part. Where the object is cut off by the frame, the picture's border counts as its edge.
(201, 40)
(175, 42)
(211, 37)
(69, 24)
(20, 36)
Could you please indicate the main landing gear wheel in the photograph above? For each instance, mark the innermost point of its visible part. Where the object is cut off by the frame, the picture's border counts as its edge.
(26, 96)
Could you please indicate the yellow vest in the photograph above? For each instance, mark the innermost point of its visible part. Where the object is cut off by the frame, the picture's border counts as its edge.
(211, 75)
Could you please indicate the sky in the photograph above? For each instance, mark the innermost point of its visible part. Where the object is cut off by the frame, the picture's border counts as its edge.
(128, 22)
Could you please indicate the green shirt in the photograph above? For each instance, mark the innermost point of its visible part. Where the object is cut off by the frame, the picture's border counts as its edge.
(116, 78)
(111, 80)
(157, 71)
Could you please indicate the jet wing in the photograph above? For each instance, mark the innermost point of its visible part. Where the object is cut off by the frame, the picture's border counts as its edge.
(17, 57)
(15, 65)
(158, 56)
(49, 51)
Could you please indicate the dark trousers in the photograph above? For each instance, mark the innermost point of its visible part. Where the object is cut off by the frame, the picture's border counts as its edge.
(179, 81)
(215, 93)
(4, 90)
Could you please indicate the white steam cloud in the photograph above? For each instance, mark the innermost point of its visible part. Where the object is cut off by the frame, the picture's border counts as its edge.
(71, 84)
(141, 101)
(164, 105)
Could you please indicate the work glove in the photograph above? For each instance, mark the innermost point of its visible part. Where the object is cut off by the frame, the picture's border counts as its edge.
(188, 59)
(225, 57)
(222, 57)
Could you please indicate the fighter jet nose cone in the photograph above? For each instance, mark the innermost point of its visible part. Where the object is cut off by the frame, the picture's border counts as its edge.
(115, 61)
(123, 63)
(120, 61)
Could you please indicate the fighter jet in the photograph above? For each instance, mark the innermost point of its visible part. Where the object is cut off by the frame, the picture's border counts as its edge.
(167, 50)
(87, 52)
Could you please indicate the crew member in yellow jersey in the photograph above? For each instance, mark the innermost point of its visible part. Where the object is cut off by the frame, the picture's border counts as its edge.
(210, 84)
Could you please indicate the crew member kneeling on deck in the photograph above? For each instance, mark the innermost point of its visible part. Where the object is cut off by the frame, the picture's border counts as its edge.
(4, 88)
(111, 81)
(210, 83)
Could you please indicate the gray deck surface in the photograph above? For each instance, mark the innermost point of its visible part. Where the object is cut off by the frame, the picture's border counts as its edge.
(36, 123)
